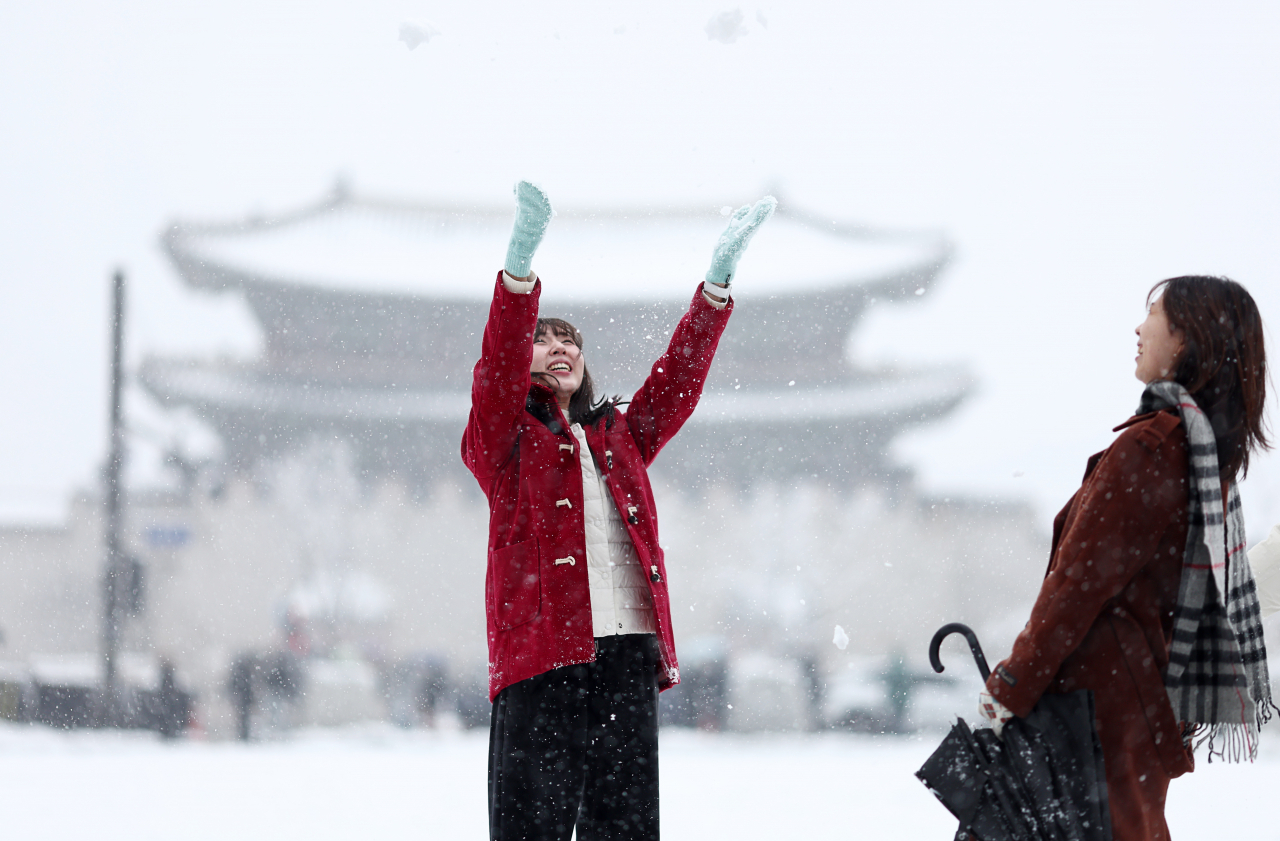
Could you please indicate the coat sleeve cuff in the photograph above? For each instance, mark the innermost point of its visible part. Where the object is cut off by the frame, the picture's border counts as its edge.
(716, 290)
(519, 287)
(705, 306)
(998, 684)
(506, 297)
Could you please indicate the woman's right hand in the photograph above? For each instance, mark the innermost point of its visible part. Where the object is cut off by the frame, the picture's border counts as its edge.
(533, 215)
(993, 711)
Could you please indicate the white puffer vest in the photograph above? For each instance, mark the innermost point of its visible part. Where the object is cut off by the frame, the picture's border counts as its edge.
(620, 599)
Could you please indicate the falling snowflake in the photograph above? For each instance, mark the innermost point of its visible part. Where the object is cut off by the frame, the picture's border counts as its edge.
(841, 638)
(726, 27)
(413, 34)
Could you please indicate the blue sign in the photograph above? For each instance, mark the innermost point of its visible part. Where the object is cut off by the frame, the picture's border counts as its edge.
(168, 537)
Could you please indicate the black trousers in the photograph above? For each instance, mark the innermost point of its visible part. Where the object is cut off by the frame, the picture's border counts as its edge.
(579, 745)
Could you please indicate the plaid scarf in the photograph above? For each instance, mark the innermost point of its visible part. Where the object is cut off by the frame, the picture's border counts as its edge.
(1217, 675)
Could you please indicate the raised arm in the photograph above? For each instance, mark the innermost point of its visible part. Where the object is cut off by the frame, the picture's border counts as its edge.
(500, 381)
(674, 385)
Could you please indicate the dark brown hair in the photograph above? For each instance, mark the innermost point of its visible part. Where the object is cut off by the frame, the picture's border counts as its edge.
(1224, 361)
(583, 407)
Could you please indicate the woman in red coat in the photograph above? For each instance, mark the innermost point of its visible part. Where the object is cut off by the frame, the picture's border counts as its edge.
(579, 624)
(1149, 600)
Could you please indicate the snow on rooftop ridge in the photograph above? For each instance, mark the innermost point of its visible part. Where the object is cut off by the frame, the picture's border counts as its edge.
(451, 251)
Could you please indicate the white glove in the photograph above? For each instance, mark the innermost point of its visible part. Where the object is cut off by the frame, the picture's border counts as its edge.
(993, 711)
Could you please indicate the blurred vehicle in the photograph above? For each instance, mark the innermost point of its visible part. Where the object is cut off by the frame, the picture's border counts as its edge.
(64, 690)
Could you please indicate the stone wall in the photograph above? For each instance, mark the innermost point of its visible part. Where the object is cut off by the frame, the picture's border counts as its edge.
(771, 570)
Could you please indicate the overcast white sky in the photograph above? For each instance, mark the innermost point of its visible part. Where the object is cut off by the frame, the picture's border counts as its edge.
(1075, 155)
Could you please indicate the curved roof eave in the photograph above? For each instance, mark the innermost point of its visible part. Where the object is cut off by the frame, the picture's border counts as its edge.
(229, 391)
(913, 256)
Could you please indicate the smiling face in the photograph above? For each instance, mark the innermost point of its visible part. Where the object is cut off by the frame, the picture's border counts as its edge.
(558, 362)
(1159, 346)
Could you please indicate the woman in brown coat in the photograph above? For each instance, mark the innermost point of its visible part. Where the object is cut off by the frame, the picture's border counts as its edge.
(1129, 570)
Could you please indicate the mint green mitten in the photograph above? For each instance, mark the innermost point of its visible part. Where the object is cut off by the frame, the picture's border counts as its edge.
(743, 225)
(533, 214)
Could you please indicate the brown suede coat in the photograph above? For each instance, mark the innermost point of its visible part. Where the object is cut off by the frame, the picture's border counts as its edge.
(1104, 616)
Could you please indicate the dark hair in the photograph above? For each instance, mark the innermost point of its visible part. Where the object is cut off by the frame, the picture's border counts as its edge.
(583, 407)
(1224, 361)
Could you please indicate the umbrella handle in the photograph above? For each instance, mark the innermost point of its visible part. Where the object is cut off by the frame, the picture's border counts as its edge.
(958, 628)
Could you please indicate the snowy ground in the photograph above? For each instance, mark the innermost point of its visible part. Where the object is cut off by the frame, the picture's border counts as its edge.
(378, 783)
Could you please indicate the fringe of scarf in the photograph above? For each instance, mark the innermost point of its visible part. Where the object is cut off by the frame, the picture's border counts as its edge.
(1217, 675)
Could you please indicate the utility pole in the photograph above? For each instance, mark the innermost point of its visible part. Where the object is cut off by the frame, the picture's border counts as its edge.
(115, 578)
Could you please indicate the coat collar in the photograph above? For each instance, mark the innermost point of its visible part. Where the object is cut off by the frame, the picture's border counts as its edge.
(543, 405)
(540, 392)
(1135, 419)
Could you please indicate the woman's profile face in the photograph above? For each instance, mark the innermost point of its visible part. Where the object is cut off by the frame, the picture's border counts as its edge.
(559, 357)
(1159, 346)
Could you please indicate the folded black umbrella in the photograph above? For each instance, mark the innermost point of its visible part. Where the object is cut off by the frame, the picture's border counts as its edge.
(1042, 779)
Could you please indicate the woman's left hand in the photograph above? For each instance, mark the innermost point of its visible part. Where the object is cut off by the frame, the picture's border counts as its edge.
(743, 225)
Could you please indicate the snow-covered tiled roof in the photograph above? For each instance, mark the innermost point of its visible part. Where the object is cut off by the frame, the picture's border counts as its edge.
(599, 256)
(838, 430)
(911, 395)
(371, 311)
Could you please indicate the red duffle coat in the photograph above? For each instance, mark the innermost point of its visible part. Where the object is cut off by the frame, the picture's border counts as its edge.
(537, 600)
(1104, 617)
